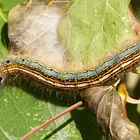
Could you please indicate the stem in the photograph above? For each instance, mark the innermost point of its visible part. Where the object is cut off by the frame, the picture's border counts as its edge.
(2, 16)
(35, 130)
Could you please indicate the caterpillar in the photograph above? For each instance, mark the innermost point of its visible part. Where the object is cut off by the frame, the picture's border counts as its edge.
(103, 75)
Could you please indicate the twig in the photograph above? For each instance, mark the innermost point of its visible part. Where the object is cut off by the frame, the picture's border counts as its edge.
(35, 130)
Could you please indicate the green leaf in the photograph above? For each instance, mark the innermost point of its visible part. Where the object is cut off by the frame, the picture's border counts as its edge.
(7, 5)
(99, 29)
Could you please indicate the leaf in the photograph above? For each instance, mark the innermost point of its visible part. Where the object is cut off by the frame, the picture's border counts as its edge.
(7, 5)
(26, 112)
(71, 31)
(32, 33)
(107, 105)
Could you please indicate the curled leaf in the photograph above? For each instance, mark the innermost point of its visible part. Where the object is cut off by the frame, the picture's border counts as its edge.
(107, 105)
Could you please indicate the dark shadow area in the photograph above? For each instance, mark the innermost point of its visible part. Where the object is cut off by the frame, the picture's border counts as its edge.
(86, 124)
(133, 115)
(4, 36)
(135, 5)
(137, 90)
(58, 129)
